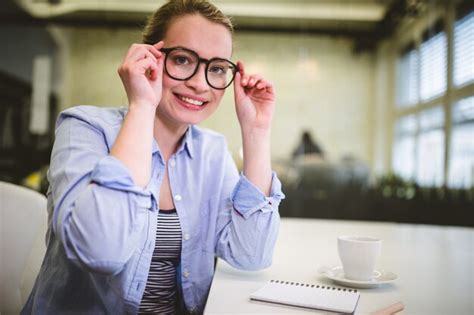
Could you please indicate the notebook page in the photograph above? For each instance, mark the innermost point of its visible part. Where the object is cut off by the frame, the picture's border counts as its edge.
(304, 295)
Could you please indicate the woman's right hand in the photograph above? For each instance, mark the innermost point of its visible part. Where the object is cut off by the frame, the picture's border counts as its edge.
(141, 73)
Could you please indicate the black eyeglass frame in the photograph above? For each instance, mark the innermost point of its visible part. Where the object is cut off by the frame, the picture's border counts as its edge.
(207, 62)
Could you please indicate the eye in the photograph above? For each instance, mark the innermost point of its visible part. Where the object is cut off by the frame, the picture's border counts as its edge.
(181, 60)
(219, 68)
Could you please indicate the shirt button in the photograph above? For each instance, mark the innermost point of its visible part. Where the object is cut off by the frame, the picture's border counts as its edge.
(177, 197)
(186, 236)
(172, 163)
(186, 273)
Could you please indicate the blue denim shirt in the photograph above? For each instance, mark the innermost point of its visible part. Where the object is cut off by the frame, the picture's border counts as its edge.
(101, 233)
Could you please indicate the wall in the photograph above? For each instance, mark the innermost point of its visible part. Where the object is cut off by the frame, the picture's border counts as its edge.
(383, 107)
(321, 85)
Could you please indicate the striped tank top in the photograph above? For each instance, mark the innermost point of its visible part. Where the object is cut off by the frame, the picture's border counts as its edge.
(161, 296)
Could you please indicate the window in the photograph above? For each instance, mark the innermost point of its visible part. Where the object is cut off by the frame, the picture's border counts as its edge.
(403, 160)
(461, 166)
(433, 61)
(407, 81)
(419, 147)
(430, 155)
(464, 50)
(422, 99)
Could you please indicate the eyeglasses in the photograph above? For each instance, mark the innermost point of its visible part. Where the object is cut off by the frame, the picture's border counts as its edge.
(181, 64)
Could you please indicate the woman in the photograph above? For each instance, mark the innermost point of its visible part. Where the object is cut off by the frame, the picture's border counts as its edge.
(141, 200)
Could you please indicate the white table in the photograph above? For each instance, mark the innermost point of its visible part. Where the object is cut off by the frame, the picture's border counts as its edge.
(435, 266)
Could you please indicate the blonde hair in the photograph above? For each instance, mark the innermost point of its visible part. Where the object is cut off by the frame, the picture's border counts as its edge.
(159, 23)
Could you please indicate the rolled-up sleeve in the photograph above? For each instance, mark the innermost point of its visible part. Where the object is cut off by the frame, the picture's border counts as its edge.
(248, 221)
(112, 173)
(98, 210)
(247, 199)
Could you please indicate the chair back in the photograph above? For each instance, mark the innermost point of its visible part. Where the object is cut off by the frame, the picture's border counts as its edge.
(23, 219)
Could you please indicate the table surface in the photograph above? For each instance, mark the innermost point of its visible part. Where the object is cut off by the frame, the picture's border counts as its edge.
(434, 264)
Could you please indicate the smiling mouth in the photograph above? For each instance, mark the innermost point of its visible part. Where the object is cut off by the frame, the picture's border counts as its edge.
(190, 101)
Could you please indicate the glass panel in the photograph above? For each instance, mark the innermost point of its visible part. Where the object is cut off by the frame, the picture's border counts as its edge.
(464, 50)
(433, 67)
(432, 119)
(403, 157)
(461, 168)
(407, 83)
(463, 111)
(461, 164)
(430, 155)
(430, 159)
(406, 125)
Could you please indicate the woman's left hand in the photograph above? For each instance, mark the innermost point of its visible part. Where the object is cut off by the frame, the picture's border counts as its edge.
(254, 101)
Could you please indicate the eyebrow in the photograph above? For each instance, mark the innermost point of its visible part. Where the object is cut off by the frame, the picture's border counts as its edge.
(205, 59)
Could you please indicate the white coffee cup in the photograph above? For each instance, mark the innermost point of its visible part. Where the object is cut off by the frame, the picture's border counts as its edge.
(358, 255)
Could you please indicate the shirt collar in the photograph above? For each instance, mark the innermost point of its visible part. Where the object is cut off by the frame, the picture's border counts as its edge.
(186, 144)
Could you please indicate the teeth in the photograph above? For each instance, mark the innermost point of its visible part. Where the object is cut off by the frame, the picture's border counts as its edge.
(191, 101)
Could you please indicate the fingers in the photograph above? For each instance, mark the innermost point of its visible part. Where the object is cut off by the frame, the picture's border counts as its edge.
(253, 80)
(241, 67)
(159, 45)
(140, 51)
(146, 66)
(148, 55)
(151, 69)
(143, 59)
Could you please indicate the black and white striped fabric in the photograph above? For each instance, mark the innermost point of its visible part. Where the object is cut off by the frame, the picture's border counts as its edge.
(161, 294)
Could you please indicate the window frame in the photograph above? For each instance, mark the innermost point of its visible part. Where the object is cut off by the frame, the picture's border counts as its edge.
(452, 94)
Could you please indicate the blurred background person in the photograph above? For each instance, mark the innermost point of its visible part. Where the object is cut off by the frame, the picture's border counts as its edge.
(308, 145)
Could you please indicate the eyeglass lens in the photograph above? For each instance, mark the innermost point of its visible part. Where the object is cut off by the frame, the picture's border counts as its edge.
(183, 64)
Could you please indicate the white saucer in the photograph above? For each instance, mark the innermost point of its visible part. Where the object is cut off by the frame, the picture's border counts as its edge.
(337, 275)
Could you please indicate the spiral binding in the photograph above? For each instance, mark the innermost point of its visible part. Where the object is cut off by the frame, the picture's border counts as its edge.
(316, 286)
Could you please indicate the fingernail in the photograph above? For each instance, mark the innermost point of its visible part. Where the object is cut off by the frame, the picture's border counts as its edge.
(252, 81)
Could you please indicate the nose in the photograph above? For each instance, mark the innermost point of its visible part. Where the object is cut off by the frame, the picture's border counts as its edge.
(198, 81)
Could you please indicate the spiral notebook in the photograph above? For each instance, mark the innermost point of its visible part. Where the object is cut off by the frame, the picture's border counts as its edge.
(318, 297)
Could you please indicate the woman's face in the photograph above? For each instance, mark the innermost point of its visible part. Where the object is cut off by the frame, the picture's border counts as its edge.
(192, 101)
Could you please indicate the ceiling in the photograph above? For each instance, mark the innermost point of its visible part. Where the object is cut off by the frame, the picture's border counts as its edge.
(365, 20)
(324, 14)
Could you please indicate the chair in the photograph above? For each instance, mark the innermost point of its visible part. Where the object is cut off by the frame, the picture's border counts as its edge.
(319, 189)
(23, 219)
